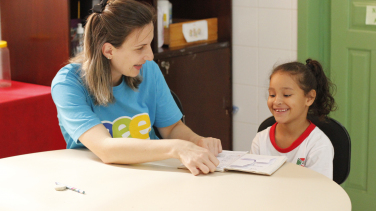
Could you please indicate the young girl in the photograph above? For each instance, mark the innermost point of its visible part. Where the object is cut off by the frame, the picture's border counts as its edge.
(296, 90)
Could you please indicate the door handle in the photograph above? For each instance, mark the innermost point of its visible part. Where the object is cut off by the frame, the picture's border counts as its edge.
(166, 65)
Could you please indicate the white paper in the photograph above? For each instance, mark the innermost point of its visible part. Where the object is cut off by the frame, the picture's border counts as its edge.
(242, 161)
(371, 15)
(227, 157)
(260, 164)
(264, 160)
(195, 31)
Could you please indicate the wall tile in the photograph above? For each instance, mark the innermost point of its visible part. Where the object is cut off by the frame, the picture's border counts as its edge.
(266, 30)
(243, 136)
(245, 3)
(294, 4)
(263, 109)
(245, 65)
(294, 55)
(281, 4)
(268, 59)
(245, 98)
(275, 28)
(245, 26)
(294, 31)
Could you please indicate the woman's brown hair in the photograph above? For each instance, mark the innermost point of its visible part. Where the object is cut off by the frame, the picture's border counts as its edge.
(118, 19)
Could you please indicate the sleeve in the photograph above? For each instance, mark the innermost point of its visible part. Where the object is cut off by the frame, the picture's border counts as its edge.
(167, 112)
(75, 114)
(320, 158)
(255, 148)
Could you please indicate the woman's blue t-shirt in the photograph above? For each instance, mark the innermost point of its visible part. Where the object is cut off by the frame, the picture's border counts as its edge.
(132, 115)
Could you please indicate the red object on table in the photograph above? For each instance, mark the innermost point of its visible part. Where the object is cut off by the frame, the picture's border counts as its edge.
(28, 120)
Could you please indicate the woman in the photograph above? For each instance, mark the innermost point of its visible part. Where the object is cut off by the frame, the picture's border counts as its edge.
(109, 97)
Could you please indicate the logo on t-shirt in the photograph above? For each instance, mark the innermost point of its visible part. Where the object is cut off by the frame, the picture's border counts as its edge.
(137, 126)
(300, 162)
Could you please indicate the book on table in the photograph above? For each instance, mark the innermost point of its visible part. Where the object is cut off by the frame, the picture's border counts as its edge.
(243, 161)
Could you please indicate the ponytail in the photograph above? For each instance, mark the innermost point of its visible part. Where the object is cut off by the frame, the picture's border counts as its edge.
(324, 102)
(112, 22)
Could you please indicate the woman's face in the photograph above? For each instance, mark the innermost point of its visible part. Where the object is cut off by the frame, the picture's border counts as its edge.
(132, 54)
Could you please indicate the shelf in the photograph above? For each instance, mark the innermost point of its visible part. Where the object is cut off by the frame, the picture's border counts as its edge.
(166, 52)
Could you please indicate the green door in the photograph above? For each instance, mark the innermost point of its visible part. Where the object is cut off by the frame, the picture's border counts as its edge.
(353, 70)
(335, 32)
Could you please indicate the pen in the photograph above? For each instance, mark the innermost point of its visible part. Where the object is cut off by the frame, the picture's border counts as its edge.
(71, 188)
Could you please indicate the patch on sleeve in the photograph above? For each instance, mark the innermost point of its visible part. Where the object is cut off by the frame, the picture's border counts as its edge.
(300, 162)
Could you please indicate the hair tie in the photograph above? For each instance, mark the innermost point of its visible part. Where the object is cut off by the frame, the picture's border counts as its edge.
(308, 61)
(98, 8)
(309, 64)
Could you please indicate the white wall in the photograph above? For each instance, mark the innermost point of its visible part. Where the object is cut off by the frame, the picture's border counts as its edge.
(264, 35)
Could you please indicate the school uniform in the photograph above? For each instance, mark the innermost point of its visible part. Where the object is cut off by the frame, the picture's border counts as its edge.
(312, 149)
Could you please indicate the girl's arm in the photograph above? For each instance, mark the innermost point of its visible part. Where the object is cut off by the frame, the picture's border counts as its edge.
(131, 150)
(321, 160)
(180, 131)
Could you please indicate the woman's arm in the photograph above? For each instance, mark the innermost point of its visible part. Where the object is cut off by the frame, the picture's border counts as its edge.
(180, 131)
(131, 150)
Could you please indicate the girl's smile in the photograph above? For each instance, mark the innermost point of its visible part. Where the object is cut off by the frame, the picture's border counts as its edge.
(281, 110)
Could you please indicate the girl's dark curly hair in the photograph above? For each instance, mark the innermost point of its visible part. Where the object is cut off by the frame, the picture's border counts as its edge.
(311, 76)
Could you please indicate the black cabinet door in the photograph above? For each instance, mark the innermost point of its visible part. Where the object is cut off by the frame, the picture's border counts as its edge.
(202, 81)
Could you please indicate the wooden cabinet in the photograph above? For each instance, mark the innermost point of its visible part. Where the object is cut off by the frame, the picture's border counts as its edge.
(202, 81)
(201, 75)
(38, 35)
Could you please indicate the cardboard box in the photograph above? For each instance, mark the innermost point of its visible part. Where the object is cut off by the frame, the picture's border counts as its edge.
(173, 36)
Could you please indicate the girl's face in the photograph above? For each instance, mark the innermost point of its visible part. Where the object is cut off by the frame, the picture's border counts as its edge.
(287, 101)
(132, 54)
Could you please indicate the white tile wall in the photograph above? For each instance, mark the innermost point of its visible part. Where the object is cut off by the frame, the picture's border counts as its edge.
(242, 133)
(245, 59)
(278, 4)
(264, 35)
(274, 28)
(245, 16)
(244, 98)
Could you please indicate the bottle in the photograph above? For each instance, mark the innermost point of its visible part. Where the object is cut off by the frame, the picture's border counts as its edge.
(5, 80)
(166, 8)
(160, 27)
(80, 39)
(170, 12)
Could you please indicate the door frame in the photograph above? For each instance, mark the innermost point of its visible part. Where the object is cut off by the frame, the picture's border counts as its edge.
(314, 32)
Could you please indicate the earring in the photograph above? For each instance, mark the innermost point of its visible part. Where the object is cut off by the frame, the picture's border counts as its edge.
(108, 58)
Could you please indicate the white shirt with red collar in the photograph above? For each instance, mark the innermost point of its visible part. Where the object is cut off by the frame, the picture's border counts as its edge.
(312, 149)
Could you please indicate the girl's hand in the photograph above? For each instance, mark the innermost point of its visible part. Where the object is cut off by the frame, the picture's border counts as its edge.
(212, 144)
(196, 158)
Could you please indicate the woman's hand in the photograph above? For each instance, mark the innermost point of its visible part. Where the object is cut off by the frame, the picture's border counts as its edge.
(212, 144)
(196, 158)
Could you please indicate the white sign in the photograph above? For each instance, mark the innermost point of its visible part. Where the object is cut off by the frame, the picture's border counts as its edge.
(195, 31)
(371, 15)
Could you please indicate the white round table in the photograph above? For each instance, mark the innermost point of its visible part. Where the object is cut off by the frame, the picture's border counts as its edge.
(27, 183)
